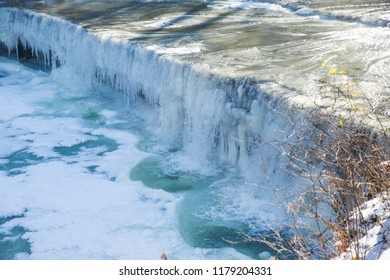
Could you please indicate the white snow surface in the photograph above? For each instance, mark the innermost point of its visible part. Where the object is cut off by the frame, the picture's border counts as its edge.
(374, 244)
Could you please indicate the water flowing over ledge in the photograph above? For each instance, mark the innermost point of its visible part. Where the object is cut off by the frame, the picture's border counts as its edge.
(277, 44)
(214, 117)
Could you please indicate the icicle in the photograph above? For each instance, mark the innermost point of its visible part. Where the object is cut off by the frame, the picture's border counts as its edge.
(17, 48)
(207, 116)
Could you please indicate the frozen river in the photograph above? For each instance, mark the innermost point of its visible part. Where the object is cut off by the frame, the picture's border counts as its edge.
(157, 126)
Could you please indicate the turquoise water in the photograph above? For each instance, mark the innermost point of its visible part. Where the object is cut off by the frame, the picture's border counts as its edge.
(12, 241)
(197, 223)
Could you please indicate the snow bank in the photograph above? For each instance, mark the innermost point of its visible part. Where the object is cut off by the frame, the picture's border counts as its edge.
(376, 222)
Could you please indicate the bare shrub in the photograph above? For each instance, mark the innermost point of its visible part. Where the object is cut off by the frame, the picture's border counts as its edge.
(344, 162)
